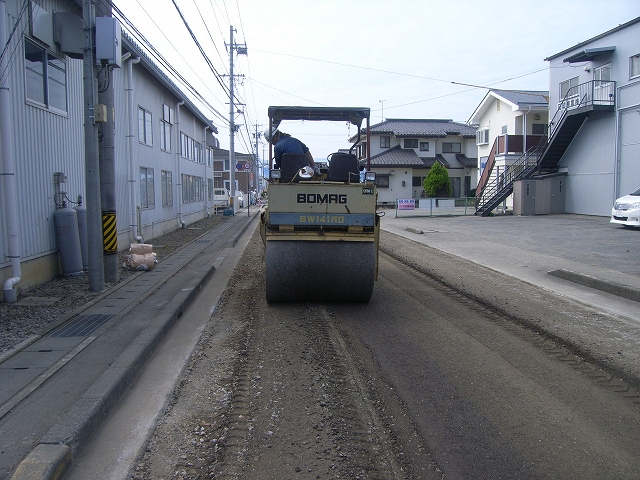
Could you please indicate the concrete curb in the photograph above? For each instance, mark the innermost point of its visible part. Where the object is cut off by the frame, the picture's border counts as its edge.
(614, 288)
(52, 456)
(45, 461)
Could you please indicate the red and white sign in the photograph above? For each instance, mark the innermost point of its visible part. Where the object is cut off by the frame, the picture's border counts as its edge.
(406, 204)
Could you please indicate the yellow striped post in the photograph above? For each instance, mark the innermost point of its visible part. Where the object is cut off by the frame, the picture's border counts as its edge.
(109, 232)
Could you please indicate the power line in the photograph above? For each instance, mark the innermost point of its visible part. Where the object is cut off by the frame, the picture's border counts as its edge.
(163, 61)
(204, 55)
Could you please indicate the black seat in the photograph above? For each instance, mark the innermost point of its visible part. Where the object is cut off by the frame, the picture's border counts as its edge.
(291, 164)
(344, 167)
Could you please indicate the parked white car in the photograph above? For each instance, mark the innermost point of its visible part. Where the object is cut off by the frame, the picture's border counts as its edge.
(626, 210)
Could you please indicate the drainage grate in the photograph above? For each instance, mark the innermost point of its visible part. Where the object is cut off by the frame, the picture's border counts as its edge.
(82, 326)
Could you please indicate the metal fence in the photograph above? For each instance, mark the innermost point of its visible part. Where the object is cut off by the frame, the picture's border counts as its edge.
(432, 207)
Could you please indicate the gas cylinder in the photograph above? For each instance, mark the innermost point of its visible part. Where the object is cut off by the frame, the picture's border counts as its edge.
(68, 239)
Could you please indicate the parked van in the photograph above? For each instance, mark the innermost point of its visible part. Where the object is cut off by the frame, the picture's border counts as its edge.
(220, 198)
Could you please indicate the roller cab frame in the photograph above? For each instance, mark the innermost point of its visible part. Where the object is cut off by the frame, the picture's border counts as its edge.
(321, 233)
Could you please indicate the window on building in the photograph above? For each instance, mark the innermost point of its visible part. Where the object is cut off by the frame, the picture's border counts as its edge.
(145, 133)
(505, 129)
(45, 77)
(165, 136)
(451, 147)
(361, 150)
(634, 66)
(190, 149)
(382, 181)
(166, 184)
(482, 136)
(602, 75)
(209, 155)
(192, 188)
(424, 146)
(147, 192)
(165, 128)
(417, 181)
(569, 87)
(210, 189)
(410, 143)
(385, 142)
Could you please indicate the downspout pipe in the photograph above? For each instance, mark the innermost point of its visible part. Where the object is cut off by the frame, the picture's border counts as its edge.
(204, 161)
(135, 236)
(524, 131)
(179, 180)
(7, 169)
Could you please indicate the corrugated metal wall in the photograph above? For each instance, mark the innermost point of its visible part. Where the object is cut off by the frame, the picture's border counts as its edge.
(44, 142)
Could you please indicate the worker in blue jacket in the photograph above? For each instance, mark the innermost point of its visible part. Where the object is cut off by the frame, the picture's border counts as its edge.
(285, 143)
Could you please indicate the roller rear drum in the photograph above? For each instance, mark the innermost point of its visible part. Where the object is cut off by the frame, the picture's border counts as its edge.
(324, 271)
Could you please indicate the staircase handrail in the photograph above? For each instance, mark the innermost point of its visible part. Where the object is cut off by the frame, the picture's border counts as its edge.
(518, 169)
(488, 168)
(525, 165)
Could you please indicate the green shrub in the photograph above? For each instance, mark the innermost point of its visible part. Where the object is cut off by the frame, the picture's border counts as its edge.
(437, 183)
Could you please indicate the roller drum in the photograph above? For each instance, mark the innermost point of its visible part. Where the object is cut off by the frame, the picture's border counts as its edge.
(324, 271)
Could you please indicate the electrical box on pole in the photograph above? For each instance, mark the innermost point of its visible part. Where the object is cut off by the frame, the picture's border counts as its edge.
(108, 41)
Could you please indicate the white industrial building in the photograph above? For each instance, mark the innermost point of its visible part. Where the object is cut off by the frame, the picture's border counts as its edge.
(163, 142)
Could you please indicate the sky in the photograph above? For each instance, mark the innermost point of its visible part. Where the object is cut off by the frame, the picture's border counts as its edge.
(402, 59)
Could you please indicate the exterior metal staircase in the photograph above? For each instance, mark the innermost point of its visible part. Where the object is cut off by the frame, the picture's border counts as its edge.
(573, 110)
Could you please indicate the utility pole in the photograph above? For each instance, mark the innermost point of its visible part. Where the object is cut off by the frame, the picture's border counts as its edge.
(242, 50)
(256, 165)
(106, 151)
(382, 102)
(92, 166)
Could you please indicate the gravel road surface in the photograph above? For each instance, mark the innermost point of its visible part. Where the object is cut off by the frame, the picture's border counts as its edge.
(425, 381)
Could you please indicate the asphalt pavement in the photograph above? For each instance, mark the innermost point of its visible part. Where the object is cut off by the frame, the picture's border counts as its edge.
(54, 392)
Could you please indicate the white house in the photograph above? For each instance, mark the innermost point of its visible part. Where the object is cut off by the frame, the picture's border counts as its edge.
(509, 123)
(404, 150)
(597, 82)
(162, 151)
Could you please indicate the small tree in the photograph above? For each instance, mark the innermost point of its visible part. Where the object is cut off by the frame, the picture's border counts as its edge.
(436, 183)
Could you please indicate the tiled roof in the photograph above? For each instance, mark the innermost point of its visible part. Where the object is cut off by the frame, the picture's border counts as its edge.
(466, 161)
(397, 157)
(422, 128)
(429, 162)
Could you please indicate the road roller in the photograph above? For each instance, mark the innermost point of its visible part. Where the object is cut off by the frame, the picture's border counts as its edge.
(320, 228)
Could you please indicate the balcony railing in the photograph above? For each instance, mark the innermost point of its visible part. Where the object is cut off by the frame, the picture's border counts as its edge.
(591, 93)
(515, 143)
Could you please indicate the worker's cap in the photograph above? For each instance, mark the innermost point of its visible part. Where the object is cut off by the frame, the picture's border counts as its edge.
(269, 134)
